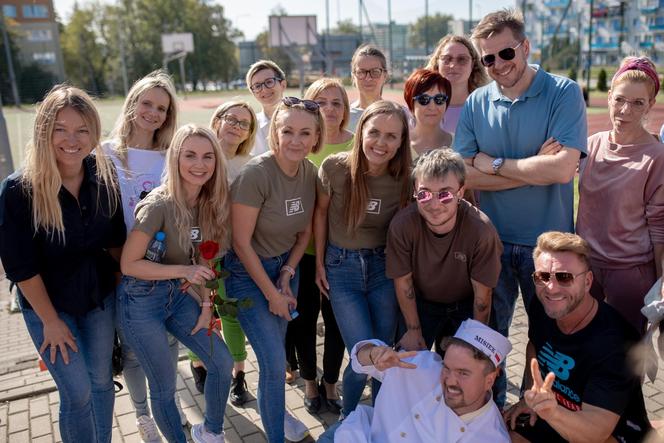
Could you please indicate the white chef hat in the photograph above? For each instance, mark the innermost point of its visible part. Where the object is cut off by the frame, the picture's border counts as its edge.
(491, 343)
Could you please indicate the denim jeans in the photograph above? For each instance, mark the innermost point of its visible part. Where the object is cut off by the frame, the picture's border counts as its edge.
(267, 334)
(134, 376)
(365, 306)
(328, 435)
(85, 385)
(148, 310)
(516, 273)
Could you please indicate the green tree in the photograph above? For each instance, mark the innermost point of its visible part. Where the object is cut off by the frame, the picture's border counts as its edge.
(277, 55)
(12, 36)
(437, 29)
(346, 27)
(601, 80)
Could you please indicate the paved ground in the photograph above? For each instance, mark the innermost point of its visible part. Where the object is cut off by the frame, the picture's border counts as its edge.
(29, 402)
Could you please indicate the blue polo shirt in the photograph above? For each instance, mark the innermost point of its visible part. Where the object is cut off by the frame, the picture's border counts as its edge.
(552, 106)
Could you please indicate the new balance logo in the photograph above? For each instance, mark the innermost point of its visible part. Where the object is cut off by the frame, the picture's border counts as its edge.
(294, 206)
(373, 207)
(556, 362)
(195, 234)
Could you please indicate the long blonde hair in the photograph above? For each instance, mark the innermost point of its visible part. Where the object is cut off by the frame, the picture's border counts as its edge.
(356, 190)
(41, 175)
(215, 123)
(478, 76)
(124, 127)
(213, 201)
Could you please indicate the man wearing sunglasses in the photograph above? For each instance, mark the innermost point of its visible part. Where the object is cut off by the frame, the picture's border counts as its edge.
(443, 254)
(583, 387)
(267, 82)
(521, 137)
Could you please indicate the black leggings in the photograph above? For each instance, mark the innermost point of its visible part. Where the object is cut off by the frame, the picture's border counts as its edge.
(301, 332)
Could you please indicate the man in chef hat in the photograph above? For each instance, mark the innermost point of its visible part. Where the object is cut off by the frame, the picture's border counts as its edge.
(424, 398)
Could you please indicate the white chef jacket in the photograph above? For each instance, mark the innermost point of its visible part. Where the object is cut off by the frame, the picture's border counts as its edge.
(262, 133)
(410, 408)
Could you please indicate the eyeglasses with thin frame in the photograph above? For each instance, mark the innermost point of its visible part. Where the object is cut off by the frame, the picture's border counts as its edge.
(374, 73)
(506, 54)
(425, 196)
(620, 101)
(448, 60)
(564, 278)
(425, 99)
(309, 105)
(268, 84)
(242, 124)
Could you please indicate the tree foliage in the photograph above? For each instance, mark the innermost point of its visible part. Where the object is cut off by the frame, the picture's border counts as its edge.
(437, 29)
(346, 27)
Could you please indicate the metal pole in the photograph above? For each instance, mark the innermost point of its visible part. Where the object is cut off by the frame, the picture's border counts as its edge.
(184, 81)
(470, 15)
(426, 26)
(589, 61)
(10, 62)
(360, 20)
(389, 35)
(6, 164)
(123, 62)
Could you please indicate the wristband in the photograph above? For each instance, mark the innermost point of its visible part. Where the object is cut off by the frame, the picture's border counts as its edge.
(288, 269)
(206, 304)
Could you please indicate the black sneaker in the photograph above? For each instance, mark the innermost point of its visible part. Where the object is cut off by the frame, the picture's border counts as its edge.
(239, 394)
(200, 374)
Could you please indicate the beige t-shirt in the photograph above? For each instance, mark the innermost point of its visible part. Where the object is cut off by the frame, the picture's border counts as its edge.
(154, 214)
(384, 198)
(443, 265)
(286, 203)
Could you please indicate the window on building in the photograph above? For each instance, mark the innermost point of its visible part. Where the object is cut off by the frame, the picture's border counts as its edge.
(40, 35)
(35, 11)
(9, 11)
(45, 58)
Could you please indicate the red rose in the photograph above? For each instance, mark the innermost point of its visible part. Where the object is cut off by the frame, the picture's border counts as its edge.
(209, 249)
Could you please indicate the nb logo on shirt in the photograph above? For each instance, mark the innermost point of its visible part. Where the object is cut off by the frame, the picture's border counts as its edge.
(460, 256)
(373, 207)
(195, 234)
(558, 363)
(294, 206)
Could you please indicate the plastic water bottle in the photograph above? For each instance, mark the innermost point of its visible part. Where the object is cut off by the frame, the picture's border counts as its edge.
(156, 248)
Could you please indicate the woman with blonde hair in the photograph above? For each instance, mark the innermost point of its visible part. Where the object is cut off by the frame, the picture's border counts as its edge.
(234, 124)
(369, 73)
(301, 335)
(137, 147)
(359, 193)
(456, 59)
(273, 203)
(60, 225)
(621, 198)
(191, 206)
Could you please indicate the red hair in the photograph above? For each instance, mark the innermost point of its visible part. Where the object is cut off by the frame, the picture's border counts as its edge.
(420, 81)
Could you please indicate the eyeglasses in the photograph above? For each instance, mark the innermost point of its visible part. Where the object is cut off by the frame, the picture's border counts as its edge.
(268, 83)
(373, 73)
(425, 99)
(242, 124)
(448, 60)
(424, 196)
(542, 278)
(619, 102)
(506, 54)
(309, 105)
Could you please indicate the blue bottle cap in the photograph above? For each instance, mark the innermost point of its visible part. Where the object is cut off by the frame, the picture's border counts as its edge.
(160, 236)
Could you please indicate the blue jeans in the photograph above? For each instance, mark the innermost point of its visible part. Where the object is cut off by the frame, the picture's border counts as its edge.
(267, 334)
(365, 306)
(516, 273)
(148, 310)
(328, 435)
(85, 385)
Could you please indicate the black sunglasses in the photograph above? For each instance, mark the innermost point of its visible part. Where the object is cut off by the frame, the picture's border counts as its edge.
(506, 54)
(541, 278)
(309, 105)
(425, 99)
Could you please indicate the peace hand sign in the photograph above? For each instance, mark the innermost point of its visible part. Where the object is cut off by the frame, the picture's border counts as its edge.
(541, 398)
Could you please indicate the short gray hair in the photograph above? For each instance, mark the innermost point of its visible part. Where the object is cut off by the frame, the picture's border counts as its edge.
(437, 163)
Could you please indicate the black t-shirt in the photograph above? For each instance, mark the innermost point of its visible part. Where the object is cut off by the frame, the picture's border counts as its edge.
(592, 366)
(79, 273)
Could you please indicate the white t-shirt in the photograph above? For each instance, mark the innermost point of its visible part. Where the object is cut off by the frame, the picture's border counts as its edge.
(354, 118)
(262, 133)
(143, 173)
(235, 165)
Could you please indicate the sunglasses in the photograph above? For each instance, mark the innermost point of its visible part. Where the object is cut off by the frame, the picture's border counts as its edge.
(425, 196)
(374, 73)
(425, 99)
(309, 105)
(541, 278)
(242, 124)
(506, 54)
(268, 84)
(448, 60)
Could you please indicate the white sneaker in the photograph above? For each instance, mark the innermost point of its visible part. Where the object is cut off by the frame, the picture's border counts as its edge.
(147, 429)
(201, 435)
(294, 429)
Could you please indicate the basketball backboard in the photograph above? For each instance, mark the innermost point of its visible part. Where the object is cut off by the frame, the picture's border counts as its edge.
(287, 30)
(172, 43)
